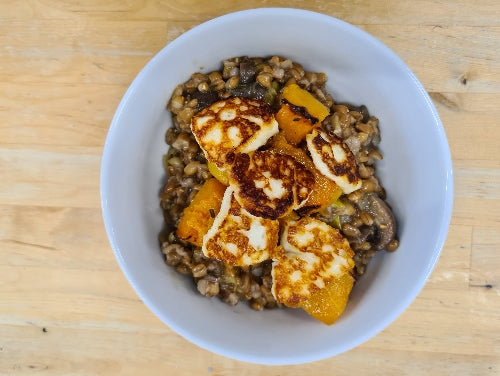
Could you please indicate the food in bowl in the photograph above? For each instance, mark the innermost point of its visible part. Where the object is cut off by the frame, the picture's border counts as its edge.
(419, 185)
(271, 194)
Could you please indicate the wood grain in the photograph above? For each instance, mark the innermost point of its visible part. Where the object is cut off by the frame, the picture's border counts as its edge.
(65, 306)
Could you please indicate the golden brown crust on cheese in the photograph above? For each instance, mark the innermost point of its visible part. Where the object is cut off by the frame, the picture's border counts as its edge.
(239, 238)
(270, 185)
(348, 167)
(233, 125)
(311, 255)
(333, 158)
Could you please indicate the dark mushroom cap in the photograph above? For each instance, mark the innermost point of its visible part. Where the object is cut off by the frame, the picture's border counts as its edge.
(383, 217)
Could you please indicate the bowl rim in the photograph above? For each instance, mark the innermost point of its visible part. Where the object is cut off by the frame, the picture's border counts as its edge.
(445, 215)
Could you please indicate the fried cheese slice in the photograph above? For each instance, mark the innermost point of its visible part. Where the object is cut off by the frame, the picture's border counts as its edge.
(239, 238)
(269, 184)
(333, 158)
(233, 125)
(311, 255)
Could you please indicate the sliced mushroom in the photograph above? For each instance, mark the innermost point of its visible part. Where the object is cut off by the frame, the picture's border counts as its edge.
(365, 234)
(205, 98)
(250, 90)
(383, 219)
(247, 71)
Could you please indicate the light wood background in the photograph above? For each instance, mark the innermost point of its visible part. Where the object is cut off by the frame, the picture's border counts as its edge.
(66, 308)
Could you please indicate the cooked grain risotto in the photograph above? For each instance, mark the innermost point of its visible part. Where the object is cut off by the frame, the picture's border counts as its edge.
(360, 213)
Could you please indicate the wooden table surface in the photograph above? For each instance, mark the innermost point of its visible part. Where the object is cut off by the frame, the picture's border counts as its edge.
(65, 306)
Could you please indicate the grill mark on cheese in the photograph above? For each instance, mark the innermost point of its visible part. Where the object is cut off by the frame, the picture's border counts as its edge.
(333, 158)
(311, 255)
(233, 125)
(238, 237)
(270, 185)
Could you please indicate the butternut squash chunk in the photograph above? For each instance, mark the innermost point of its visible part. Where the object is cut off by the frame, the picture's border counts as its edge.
(198, 217)
(294, 94)
(294, 124)
(300, 113)
(327, 304)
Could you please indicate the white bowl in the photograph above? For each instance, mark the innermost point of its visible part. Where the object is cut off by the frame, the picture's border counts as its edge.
(416, 172)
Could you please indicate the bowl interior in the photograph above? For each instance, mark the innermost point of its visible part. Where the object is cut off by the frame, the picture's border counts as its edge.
(417, 178)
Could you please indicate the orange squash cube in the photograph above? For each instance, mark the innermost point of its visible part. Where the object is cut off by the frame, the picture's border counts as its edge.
(297, 96)
(295, 125)
(198, 217)
(328, 303)
(300, 113)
